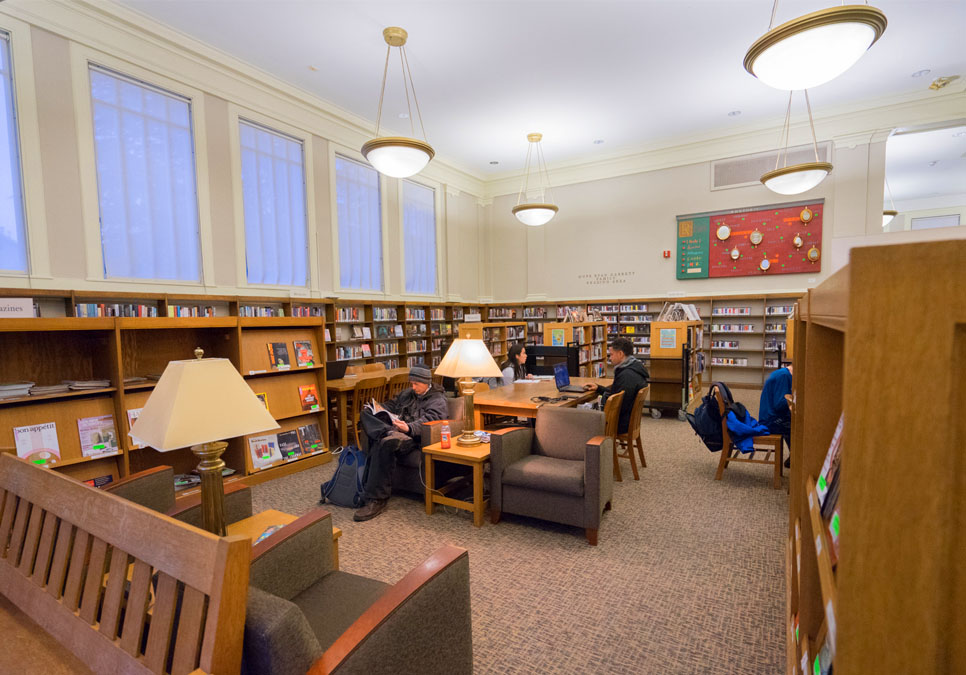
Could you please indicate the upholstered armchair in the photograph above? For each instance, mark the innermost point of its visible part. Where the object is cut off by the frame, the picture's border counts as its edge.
(303, 615)
(154, 489)
(562, 470)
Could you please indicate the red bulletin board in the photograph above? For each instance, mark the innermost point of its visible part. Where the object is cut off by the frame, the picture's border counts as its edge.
(778, 226)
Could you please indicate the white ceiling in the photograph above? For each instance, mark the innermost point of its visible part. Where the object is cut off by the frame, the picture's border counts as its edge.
(926, 165)
(487, 72)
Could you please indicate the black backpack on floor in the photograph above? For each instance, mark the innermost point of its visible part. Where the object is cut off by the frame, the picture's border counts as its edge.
(706, 420)
(345, 488)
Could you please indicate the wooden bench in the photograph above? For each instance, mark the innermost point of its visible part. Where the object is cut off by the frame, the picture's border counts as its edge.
(121, 587)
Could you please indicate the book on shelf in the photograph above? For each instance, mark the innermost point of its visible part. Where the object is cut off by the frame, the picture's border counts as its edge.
(16, 389)
(304, 356)
(309, 396)
(47, 389)
(382, 332)
(264, 450)
(366, 350)
(311, 438)
(82, 385)
(288, 444)
(132, 417)
(99, 481)
(186, 480)
(98, 436)
(831, 463)
(366, 333)
(328, 336)
(37, 443)
(356, 332)
(263, 397)
(397, 330)
(278, 356)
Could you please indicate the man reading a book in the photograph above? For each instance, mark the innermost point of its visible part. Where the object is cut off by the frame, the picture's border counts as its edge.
(399, 434)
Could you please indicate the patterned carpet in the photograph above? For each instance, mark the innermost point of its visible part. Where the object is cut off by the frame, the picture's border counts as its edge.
(688, 576)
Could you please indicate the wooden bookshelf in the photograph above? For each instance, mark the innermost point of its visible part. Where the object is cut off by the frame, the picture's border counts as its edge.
(591, 339)
(498, 335)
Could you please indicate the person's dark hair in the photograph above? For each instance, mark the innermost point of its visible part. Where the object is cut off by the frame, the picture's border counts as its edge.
(519, 369)
(623, 345)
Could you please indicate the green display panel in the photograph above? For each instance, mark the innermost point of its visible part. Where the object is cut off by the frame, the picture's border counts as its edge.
(692, 256)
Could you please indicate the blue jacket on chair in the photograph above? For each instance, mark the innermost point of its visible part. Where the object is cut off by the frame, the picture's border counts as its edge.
(742, 431)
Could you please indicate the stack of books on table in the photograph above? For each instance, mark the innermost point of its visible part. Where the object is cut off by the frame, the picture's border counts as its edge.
(15, 389)
(41, 390)
(77, 385)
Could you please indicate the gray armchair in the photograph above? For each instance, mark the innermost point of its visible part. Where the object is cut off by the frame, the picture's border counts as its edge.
(304, 616)
(562, 470)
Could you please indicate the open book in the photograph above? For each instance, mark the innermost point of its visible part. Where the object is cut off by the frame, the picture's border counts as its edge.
(376, 408)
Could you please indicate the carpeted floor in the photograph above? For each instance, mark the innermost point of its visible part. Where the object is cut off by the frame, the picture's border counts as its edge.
(688, 576)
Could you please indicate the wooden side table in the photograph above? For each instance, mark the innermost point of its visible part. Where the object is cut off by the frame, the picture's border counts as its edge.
(475, 457)
(253, 526)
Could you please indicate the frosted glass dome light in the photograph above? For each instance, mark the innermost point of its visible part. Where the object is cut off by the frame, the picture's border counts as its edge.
(535, 215)
(815, 48)
(796, 179)
(397, 157)
(887, 216)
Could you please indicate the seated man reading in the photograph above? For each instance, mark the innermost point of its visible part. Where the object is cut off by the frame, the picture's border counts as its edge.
(423, 402)
(630, 376)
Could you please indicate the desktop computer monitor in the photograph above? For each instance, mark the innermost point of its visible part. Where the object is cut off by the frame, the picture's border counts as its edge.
(542, 358)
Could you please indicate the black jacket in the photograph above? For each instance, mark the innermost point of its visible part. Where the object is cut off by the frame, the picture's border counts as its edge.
(415, 410)
(629, 377)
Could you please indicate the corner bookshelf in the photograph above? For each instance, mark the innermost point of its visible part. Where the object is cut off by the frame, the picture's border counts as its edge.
(591, 339)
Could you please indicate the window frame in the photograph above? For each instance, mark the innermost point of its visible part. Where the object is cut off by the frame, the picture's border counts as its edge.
(31, 168)
(356, 156)
(437, 189)
(236, 115)
(82, 58)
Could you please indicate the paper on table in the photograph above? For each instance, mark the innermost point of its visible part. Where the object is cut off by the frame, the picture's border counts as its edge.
(525, 381)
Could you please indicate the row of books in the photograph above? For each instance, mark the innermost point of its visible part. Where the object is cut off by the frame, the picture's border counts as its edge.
(190, 310)
(604, 309)
(635, 318)
(386, 348)
(727, 311)
(308, 310)
(636, 330)
(415, 329)
(308, 398)
(349, 353)
(502, 313)
(639, 340)
(597, 333)
(415, 346)
(732, 328)
(361, 332)
(21, 389)
(442, 329)
(343, 314)
(775, 345)
(437, 314)
(725, 344)
(93, 309)
(278, 356)
(772, 363)
(385, 331)
(412, 361)
(534, 312)
(260, 310)
(779, 310)
(827, 488)
(728, 361)
(384, 314)
(285, 446)
(516, 332)
(775, 328)
(415, 314)
(40, 444)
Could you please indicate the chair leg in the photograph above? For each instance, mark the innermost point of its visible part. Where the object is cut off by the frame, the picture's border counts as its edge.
(777, 484)
(630, 455)
(591, 536)
(608, 506)
(640, 451)
(495, 516)
(617, 466)
(722, 463)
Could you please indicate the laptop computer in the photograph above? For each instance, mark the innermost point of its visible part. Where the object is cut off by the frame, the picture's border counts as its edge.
(562, 378)
(335, 370)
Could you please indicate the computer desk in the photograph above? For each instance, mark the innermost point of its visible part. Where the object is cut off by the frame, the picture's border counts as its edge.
(515, 400)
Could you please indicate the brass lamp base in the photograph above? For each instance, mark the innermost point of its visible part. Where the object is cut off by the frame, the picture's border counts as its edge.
(467, 438)
(212, 485)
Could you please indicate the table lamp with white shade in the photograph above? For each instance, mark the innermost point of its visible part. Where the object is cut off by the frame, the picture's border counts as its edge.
(468, 359)
(199, 403)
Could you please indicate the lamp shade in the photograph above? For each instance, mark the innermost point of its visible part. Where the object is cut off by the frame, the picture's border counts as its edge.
(888, 215)
(535, 215)
(199, 401)
(796, 179)
(396, 156)
(468, 358)
(815, 48)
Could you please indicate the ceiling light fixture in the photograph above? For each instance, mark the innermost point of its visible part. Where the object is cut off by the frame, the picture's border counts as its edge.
(734, 113)
(398, 156)
(889, 214)
(941, 82)
(920, 73)
(539, 213)
(797, 178)
(814, 48)
(599, 141)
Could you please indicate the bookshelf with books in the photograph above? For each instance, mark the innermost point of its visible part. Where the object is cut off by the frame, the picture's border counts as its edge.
(350, 332)
(495, 335)
(535, 316)
(590, 338)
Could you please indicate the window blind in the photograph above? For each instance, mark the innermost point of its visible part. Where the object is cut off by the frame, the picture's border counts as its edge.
(360, 225)
(419, 238)
(13, 238)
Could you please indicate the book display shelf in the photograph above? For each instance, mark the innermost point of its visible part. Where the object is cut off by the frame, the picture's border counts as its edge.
(589, 336)
(535, 316)
(875, 572)
(498, 336)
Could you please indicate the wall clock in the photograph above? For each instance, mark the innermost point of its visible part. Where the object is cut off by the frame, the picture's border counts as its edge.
(797, 241)
(724, 232)
(813, 254)
(755, 237)
(806, 215)
(735, 253)
(764, 265)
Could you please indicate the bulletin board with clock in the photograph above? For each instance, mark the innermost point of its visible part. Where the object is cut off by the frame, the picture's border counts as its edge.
(757, 241)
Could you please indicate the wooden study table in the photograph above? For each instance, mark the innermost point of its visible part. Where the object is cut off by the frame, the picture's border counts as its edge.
(345, 385)
(254, 525)
(515, 400)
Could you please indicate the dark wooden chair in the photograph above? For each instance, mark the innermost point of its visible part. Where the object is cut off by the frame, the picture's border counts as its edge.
(612, 413)
(365, 391)
(632, 437)
(397, 384)
(729, 453)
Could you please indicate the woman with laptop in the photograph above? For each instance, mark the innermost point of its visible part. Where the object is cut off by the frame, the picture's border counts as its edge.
(514, 368)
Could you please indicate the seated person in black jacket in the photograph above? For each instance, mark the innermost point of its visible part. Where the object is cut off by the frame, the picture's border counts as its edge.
(415, 406)
(630, 376)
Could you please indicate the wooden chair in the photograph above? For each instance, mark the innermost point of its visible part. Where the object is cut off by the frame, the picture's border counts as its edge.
(729, 453)
(376, 367)
(84, 563)
(397, 384)
(353, 370)
(612, 413)
(365, 390)
(633, 435)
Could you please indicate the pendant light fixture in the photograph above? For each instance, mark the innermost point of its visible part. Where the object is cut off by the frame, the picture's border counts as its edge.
(815, 48)
(889, 214)
(398, 156)
(535, 214)
(797, 178)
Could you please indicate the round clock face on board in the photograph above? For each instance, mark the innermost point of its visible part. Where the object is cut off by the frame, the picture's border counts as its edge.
(806, 215)
(735, 254)
(755, 238)
(797, 241)
(813, 254)
(764, 265)
(723, 232)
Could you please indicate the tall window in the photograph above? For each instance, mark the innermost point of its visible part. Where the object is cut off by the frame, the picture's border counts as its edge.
(360, 225)
(273, 188)
(419, 237)
(145, 180)
(13, 240)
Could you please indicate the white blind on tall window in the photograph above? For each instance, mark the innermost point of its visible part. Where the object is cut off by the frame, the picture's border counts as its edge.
(273, 187)
(419, 237)
(13, 240)
(360, 225)
(145, 180)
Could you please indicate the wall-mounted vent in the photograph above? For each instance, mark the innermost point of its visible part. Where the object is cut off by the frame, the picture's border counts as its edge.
(747, 169)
